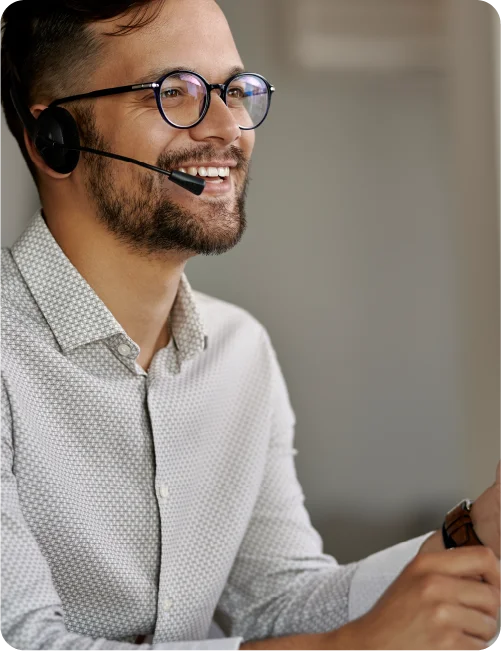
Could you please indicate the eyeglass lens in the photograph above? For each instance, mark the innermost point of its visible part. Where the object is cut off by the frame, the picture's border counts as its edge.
(183, 98)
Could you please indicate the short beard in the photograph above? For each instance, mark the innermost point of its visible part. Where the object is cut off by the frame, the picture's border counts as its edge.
(140, 216)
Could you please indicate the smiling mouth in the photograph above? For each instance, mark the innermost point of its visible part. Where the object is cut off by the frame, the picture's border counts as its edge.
(209, 173)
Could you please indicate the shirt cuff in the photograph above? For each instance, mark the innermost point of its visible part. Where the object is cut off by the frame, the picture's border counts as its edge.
(376, 572)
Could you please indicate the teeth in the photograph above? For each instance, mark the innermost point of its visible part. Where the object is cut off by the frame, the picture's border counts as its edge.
(206, 171)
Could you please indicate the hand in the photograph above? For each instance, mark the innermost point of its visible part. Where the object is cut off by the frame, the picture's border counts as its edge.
(432, 604)
(485, 514)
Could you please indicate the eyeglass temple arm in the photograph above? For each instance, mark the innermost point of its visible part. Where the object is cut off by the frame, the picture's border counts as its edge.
(103, 93)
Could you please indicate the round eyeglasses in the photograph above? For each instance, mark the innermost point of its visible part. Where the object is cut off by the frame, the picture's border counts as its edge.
(184, 97)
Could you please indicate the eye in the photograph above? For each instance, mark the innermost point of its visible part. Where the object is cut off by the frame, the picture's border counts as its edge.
(236, 93)
(170, 93)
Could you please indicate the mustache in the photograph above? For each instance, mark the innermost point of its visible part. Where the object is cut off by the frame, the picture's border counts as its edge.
(175, 160)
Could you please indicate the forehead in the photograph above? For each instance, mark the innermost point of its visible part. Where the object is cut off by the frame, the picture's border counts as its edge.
(185, 33)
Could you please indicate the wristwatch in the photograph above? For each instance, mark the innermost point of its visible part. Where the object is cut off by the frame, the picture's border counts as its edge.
(457, 529)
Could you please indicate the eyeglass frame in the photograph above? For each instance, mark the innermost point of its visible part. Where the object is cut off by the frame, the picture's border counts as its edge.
(157, 85)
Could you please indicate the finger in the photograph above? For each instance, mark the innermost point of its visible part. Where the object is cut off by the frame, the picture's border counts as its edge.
(464, 592)
(470, 621)
(472, 594)
(460, 561)
(470, 642)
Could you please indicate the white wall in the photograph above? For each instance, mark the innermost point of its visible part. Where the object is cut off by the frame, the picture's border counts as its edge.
(474, 111)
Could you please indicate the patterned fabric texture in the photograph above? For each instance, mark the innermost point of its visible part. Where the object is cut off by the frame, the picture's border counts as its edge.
(148, 503)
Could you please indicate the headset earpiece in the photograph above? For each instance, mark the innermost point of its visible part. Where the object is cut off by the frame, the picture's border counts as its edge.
(57, 125)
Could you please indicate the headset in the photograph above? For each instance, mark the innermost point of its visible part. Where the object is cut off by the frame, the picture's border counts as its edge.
(56, 138)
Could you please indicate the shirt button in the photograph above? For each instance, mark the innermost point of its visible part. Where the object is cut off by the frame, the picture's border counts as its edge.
(167, 604)
(124, 350)
(164, 491)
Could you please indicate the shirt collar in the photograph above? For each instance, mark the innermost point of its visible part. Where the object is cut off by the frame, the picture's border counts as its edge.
(74, 312)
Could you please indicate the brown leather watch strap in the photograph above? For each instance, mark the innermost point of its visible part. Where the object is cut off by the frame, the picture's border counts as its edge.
(458, 528)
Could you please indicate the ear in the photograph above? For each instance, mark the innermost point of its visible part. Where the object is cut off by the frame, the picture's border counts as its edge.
(33, 153)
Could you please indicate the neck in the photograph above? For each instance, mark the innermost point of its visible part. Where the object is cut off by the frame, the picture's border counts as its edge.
(139, 290)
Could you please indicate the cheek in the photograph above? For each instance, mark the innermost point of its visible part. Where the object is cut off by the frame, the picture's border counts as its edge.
(157, 141)
(144, 136)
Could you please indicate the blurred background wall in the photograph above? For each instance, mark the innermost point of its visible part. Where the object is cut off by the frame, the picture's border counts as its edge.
(372, 251)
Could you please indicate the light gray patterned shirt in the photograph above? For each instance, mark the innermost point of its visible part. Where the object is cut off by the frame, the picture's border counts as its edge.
(151, 503)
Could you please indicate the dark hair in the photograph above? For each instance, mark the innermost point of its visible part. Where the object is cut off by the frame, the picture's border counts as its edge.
(47, 47)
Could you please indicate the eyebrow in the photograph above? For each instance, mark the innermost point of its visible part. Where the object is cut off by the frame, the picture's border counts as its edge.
(156, 73)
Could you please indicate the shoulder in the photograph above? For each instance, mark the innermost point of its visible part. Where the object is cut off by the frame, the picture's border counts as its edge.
(233, 327)
(222, 316)
(235, 332)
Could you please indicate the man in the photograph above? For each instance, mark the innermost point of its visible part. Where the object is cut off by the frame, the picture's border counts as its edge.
(148, 481)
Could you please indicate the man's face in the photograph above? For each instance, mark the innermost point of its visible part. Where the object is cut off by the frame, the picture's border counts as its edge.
(143, 208)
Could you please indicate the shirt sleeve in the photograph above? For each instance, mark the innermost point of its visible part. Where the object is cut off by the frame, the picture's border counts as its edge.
(32, 613)
(376, 572)
(281, 582)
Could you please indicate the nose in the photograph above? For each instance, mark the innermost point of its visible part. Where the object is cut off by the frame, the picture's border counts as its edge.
(218, 124)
